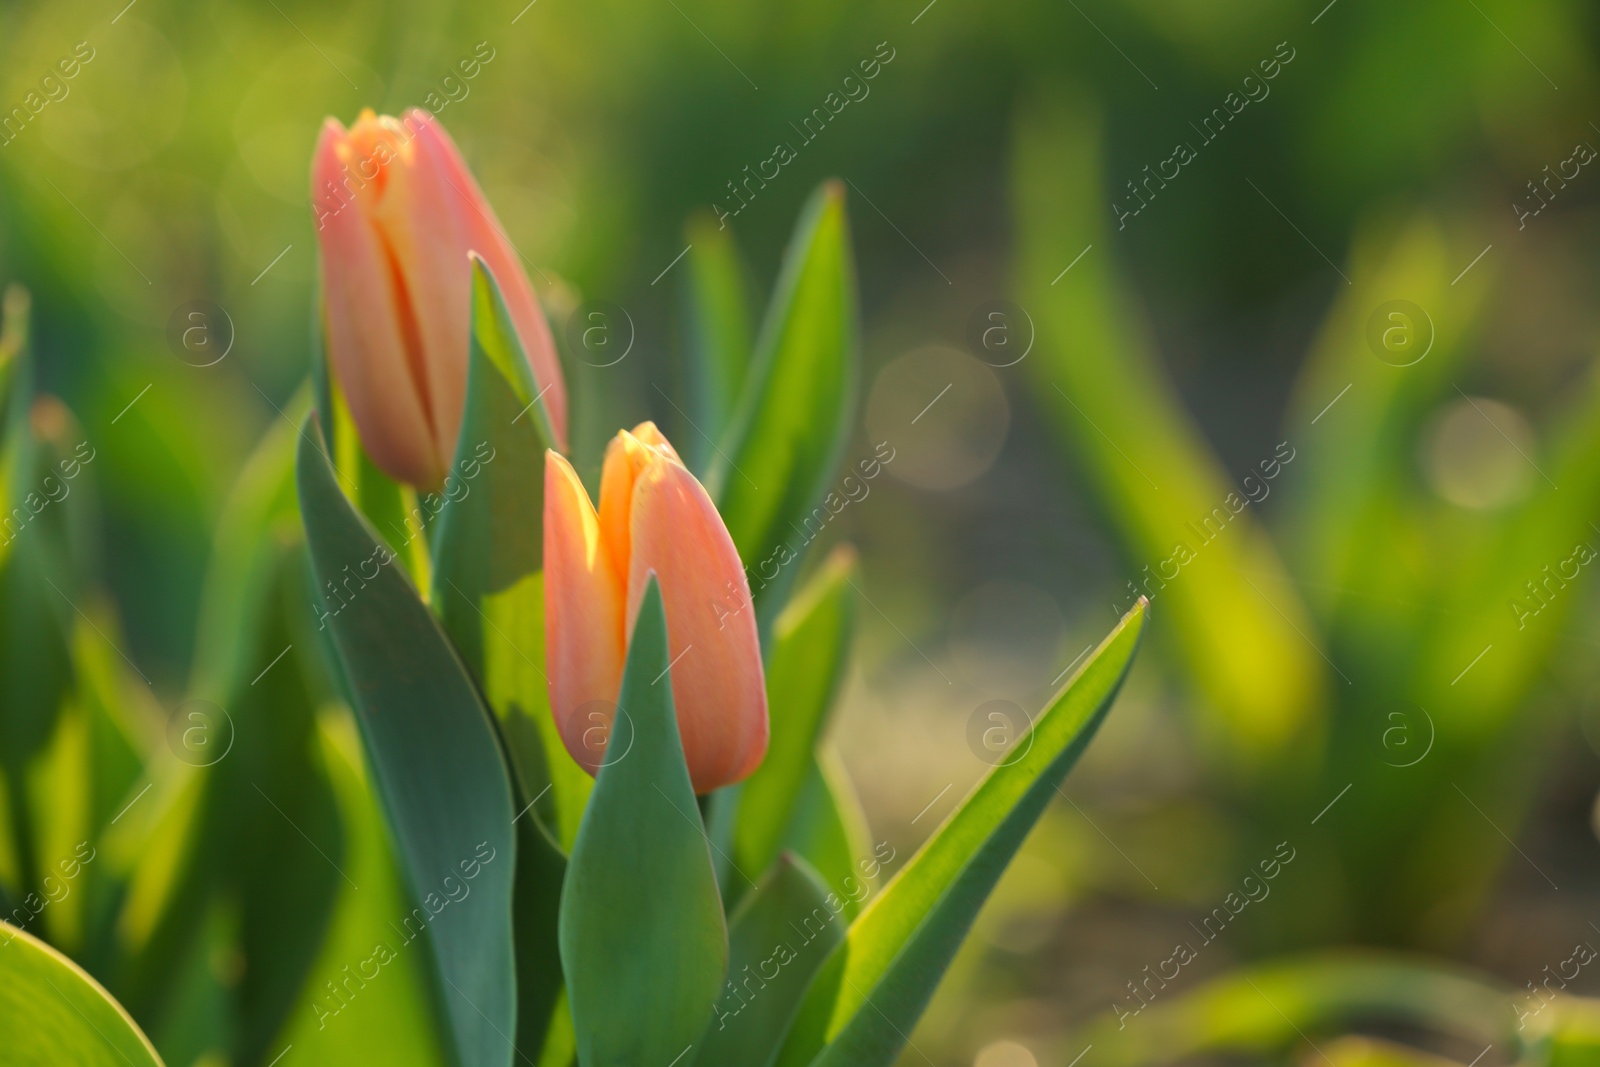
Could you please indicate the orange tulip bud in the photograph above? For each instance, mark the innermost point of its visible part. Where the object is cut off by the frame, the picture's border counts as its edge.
(654, 518)
(397, 214)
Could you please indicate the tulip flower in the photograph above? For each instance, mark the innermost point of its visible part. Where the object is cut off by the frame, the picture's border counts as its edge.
(654, 518)
(397, 214)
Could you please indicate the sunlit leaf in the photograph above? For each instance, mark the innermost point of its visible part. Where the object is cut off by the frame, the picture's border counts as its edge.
(774, 466)
(51, 1011)
(868, 997)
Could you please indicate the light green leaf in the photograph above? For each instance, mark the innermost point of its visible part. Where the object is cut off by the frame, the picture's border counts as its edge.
(809, 649)
(775, 464)
(717, 299)
(779, 937)
(52, 1012)
(1096, 375)
(643, 942)
(863, 1004)
(433, 753)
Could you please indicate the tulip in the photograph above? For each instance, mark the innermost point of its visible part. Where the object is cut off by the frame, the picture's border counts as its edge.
(397, 214)
(654, 518)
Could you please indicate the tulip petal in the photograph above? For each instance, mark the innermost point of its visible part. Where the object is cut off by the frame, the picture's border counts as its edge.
(585, 641)
(422, 218)
(485, 236)
(627, 455)
(717, 682)
(363, 307)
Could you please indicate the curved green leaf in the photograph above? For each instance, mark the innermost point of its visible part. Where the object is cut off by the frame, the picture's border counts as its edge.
(863, 1004)
(434, 754)
(643, 941)
(52, 1012)
(778, 938)
(774, 466)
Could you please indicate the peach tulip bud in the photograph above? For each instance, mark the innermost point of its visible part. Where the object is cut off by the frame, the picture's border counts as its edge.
(654, 517)
(397, 214)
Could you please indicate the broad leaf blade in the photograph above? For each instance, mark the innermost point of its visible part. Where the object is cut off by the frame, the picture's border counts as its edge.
(809, 648)
(776, 462)
(717, 300)
(643, 942)
(778, 938)
(51, 1011)
(434, 754)
(861, 1007)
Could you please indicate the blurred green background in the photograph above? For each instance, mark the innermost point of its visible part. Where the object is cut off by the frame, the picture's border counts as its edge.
(1319, 648)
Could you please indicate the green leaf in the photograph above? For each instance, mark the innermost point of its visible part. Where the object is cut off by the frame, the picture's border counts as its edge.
(861, 1007)
(51, 1011)
(434, 754)
(775, 464)
(488, 591)
(489, 552)
(1098, 379)
(643, 942)
(827, 826)
(805, 667)
(778, 938)
(717, 299)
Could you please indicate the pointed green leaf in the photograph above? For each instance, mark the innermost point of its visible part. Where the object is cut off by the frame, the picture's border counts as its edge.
(433, 752)
(864, 1003)
(643, 942)
(717, 299)
(809, 650)
(779, 456)
(778, 938)
(51, 1011)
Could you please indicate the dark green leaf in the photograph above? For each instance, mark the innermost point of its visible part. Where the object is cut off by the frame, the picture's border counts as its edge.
(779, 937)
(643, 942)
(434, 754)
(867, 999)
